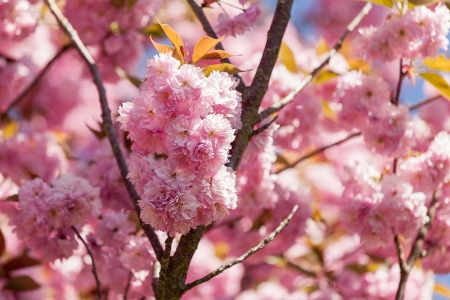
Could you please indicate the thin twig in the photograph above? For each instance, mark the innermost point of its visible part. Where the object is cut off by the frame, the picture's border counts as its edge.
(243, 257)
(417, 247)
(264, 127)
(107, 121)
(290, 97)
(298, 268)
(94, 267)
(318, 151)
(36, 80)
(127, 287)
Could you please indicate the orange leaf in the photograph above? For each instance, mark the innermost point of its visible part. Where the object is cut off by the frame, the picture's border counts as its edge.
(217, 54)
(228, 68)
(161, 48)
(203, 46)
(176, 40)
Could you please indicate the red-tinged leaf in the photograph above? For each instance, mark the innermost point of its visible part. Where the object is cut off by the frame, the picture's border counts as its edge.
(203, 46)
(161, 48)
(287, 58)
(387, 3)
(207, 3)
(2, 243)
(440, 63)
(99, 134)
(228, 68)
(20, 262)
(21, 284)
(217, 54)
(439, 84)
(442, 290)
(175, 39)
(12, 198)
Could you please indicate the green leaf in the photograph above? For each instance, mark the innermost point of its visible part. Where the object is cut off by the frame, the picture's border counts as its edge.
(23, 261)
(130, 3)
(225, 67)
(387, 3)
(2, 243)
(21, 283)
(440, 63)
(203, 46)
(287, 58)
(439, 83)
(99, 134)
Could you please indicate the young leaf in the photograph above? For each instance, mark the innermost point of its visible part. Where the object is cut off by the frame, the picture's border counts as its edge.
(217, 54)
(21, 283)
(203, 46)
(176, 41)
(325, 76)
(2, 243)
(442, 290)
(161, 48)
(387, 3)
(287, 58)
(10, 129)
(440, 63)
(439, 83)
(20, 262)
(13, 198)
(228, 68)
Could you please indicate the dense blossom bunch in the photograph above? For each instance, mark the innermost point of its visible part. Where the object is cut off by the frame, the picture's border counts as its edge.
(190, 119)
(377, 207)
(26, 155)
(418, 33)
(19, 18)
(47, 213)
(240, 23)
(365, 104)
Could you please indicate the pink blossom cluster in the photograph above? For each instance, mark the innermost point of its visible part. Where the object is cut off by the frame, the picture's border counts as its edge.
(365, 104)
(190, 119)
(26, 155)
(18, 18)
(379, 206)
(430, 169)
(46, 214)
(419, 33)
(110, 28)
(240, 23)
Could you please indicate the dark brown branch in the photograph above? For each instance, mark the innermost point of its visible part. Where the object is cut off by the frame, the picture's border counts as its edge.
(264, 127)
(401, 76)
(289, 98)
(94, 267)
(252, 96)
(198, 12)
(36, 80)
(417, 248)
(107, 121)
(243, 257)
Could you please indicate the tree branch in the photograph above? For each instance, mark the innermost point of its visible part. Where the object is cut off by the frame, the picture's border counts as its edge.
(107, 121)
(243, 257)
(417, 248)
(198, 12)
(94, 267)
(252, 96)
(127, 287)
(36, 80)
(290, 97)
